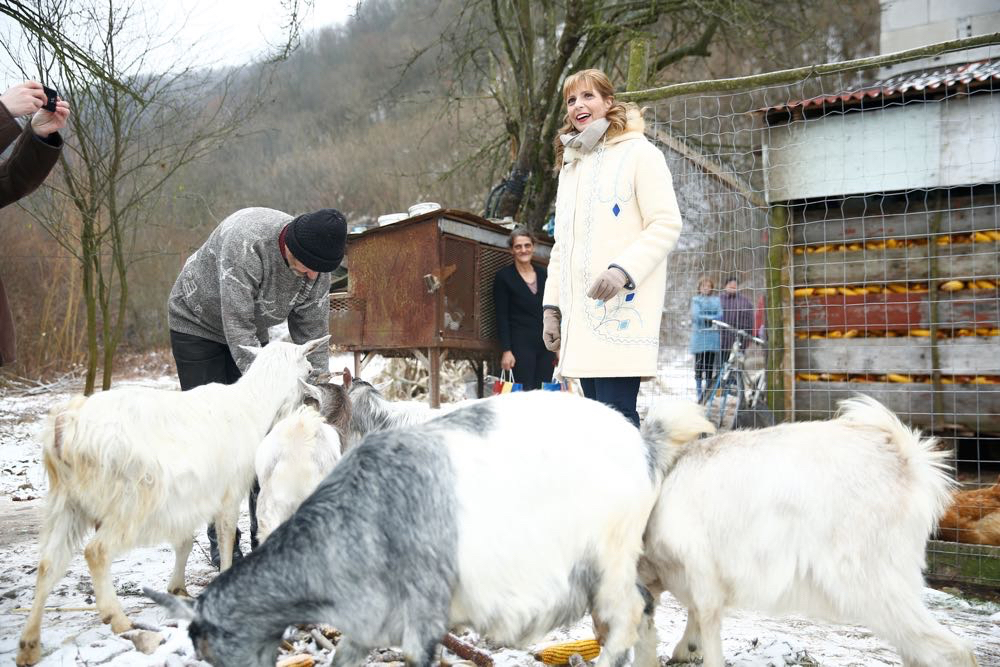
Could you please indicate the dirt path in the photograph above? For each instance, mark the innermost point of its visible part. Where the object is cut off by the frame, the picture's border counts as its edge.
(20, 521)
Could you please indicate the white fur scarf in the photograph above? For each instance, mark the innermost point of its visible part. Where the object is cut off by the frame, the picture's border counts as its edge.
(578, 144)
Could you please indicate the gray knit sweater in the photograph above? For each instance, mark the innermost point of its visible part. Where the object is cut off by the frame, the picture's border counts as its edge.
(237, 285)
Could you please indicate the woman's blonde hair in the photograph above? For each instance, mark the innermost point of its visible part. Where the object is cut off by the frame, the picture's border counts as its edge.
(600, 83)
(706, 279)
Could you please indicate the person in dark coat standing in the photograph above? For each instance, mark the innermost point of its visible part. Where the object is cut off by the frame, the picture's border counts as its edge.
(517, 293)
(36, 152)
(737, 312)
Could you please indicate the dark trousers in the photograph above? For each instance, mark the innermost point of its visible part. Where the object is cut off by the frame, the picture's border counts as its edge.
(619, 393)
(704, 369)
(201, 361)
(532, 366)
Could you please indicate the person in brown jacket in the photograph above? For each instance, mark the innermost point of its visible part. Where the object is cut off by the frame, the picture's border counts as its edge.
(37, 149)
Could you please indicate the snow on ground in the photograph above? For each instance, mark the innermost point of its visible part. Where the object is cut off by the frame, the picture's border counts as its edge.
(73, 635)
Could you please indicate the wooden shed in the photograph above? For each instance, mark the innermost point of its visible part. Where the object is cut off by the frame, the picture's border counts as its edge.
(889, 194)
(423, 287)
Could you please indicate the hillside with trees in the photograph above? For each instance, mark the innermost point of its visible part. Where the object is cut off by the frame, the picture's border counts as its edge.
(409, 101)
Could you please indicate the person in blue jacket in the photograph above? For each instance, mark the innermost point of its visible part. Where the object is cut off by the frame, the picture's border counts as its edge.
(517, 294)
(705, 307)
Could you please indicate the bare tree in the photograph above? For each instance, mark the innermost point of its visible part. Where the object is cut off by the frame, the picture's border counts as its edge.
(518, 52)
(34, 19)
(121, 150)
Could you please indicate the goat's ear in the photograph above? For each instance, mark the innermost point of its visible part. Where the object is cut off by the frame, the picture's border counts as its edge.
(253, 351)
(312, 391)
(348, 378)
(177, 607)
(310, 346)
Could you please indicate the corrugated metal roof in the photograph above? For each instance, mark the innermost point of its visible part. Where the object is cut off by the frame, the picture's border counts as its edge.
(970, 76)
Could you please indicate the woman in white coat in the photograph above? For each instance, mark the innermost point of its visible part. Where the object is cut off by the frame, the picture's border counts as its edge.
(616, 221)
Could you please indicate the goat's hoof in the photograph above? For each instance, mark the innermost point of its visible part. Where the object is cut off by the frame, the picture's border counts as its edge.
(120, 624)
(180, 591)
(684, 653)
(28, 653)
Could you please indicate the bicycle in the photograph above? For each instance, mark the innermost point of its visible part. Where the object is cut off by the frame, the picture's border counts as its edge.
(736, 398)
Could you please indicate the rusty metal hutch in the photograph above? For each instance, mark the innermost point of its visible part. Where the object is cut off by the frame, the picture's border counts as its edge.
(423, 287)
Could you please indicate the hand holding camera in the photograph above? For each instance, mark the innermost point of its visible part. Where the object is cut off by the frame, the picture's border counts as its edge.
(24, 98)
(31, 97)
(52, 115)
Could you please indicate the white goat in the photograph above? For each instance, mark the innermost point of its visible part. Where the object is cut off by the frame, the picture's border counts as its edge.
(302, 448)
(145, 466)
(291, 462)
(828, 519)
(299, 452)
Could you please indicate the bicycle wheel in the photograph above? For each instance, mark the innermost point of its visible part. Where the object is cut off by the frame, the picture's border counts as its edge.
(730, 407)
(710, 390)
(714, 398)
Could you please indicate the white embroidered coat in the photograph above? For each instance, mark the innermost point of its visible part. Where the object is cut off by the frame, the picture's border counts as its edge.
(615, 205)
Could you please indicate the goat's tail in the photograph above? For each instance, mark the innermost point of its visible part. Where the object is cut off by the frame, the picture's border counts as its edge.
(301, 428)
(929, 476)
(57, 437)
(65, 524)
(669, 425)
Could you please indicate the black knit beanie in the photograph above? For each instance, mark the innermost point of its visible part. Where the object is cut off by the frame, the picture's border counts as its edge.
(317, 239)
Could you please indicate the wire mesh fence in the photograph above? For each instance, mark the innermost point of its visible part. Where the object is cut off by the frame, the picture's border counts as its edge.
(860, 219)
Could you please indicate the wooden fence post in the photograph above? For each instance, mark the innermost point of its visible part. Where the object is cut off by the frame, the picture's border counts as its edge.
(777, 263)
(637, 52)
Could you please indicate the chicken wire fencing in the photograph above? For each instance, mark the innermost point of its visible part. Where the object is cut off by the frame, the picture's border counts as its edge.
(860, 218)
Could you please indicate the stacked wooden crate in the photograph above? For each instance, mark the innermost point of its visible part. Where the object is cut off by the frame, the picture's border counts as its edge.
(896, 297)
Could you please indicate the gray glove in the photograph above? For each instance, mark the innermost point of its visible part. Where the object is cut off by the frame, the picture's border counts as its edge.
(551, 318)
(606, 285)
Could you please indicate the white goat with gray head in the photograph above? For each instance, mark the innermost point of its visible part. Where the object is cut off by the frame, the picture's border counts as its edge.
(145, 466)
(371, 411)
(300, 451)
(471, 519)
(828, 519)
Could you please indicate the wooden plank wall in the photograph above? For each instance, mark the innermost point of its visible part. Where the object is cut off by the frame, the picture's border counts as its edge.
(879, 356)
(864, 267)
(970, 406)
(921, 218)
(858, 219)
(898, 312)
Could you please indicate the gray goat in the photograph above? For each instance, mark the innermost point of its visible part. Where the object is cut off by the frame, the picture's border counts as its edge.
(513, 516)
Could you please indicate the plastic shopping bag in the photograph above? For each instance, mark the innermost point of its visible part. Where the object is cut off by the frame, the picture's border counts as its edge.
(556, 385)
(506, 384)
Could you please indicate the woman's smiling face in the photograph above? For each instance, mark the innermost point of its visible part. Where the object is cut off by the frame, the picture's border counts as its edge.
(584, 105)
(523, 249)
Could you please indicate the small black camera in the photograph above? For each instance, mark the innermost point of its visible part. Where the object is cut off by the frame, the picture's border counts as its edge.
(51, 96)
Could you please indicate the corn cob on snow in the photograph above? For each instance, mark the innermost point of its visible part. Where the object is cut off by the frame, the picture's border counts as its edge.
(558, 654)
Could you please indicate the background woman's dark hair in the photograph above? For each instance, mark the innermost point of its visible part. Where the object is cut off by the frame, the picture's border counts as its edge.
(520, 230)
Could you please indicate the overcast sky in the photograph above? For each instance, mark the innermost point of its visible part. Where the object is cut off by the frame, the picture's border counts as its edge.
(215, 32)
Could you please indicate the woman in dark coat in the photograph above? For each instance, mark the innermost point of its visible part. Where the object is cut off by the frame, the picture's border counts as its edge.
(35, 153)
(517, 293)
